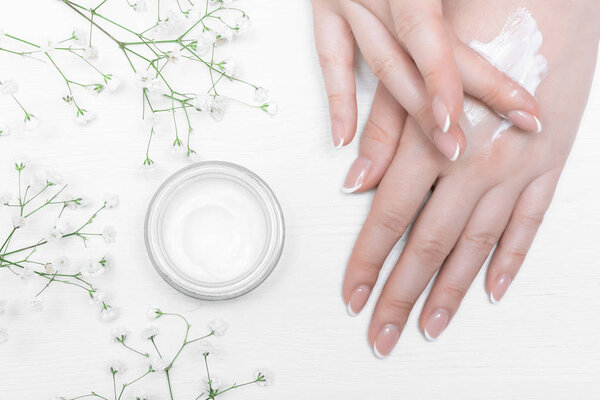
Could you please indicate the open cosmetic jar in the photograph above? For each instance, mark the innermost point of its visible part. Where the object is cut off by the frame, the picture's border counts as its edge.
(214, 230)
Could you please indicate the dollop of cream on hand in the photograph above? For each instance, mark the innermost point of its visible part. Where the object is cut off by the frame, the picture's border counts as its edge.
(515, 52)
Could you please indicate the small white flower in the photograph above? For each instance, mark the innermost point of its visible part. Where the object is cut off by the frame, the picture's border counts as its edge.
(26, 273)
(2, 307)
(35, 304)
(53, 177)
(9, 87)
(54, 235)
(113, 84)
(228, 66)
(206, 348)
(264, 377)
(62, 262)
(218, 326)
(108, 314)
(149, 333)
(18, 221)
(202, 102)
(4, 130)
(5, 198)
(270, 108)
(31, 122)
(174, 55)
(140, 6)
(49, 268)
(48, 46)
(139, 395)
(98, 297)
(147, 80)
(242, 24)
(84, 117)
(261, 94)
(153, 313)
(109, 234)
(91, 53)
(158, 363)
(119, 334)
(205, 41)
(80, 37)
(117, 366)
(111, 200)
(92, 269)
(224, 33)
(3, 336)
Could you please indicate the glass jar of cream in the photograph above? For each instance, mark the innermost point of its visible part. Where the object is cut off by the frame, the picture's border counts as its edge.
(214, 230)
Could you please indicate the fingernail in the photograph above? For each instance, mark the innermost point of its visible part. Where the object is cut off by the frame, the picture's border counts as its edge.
(525, 121)
(386, 341)
(358, 300)
(446, 144)
(438, 321)
(337, 133)
(500, 287)
(357, 174)
(441, 114)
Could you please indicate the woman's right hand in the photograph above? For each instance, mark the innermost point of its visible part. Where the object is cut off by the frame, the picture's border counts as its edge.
(410, 48)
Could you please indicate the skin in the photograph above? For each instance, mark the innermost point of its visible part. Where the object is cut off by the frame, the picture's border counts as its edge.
(495, 195)
(412, 50)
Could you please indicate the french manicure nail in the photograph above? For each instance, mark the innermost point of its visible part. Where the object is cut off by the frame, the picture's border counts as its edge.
(337, 133)
(437, 322)
(358, 300)
(386, 340)
(357, 174)
(446, 144)
(525, 121)
(441, 114)
(499, 288)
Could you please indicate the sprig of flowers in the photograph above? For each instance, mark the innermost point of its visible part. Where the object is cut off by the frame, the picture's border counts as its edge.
(189, 34)
(9, 89)
(159, 364)
(45, 195)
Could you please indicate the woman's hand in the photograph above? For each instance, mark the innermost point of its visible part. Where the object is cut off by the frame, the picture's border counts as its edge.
(496, 194)
(424, 66)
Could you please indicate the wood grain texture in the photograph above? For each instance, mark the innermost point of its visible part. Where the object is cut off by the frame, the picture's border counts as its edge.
(541, 342)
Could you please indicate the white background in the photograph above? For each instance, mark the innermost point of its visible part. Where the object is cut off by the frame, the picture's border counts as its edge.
(541, 342)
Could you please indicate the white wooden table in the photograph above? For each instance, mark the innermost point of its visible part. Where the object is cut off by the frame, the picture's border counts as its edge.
(541, 342)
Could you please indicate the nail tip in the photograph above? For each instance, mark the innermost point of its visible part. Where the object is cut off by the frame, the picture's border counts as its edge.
(446, 124)
(493, 299)
(350, 311)
(539, 125)
(351, 189)
(377, 353)
(340, 144)
(428, 337)
(456, 153)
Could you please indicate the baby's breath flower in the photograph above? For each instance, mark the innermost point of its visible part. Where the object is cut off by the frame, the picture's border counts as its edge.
(97, 297)
(8, 87)
(92, 268)
(18, 221)
(62, 262)
(84, 117)
(48, 46)
(228, 66)
(80, 37)
(205, 348)
(261, 94)
(153, 313)
(112, 83)
(4, 130)
(26, 273)
(54, 235)
(242, 24)
(109, 234)
(111, 200)
(3, 336)
(119, 334)
(263, 377)
(91, 53)
(139, 395)
(53, 177)
(49, 268)
(218, 326)
(5, 198)
(212, 385)
(147, 80)
(158, 363)
(149, 333)
(117, 366)
(270, 108)
(140, 6)
(35, 304)
(202, 102)
(108, 314)
(31, 122)
(174, 55)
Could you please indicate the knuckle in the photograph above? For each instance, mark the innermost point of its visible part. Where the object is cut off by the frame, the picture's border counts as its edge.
(406, 23)
(454, 292)
(430, 251)
(517, 255)
(383, 66)
(366, 265)
(397, 305)
(492, 94)
(423, 114)
(434, 74)
(332, 60)
(375, 133)
(393, 220)
(532, 220)
(481, 240)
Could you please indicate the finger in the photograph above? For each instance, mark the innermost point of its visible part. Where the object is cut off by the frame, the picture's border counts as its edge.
(466, 259)
(399, 74)
(421, 27)
(485, 82)
(432, 238)
(335, 47)
(519, 234)
(399, 196)
(378, 142)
